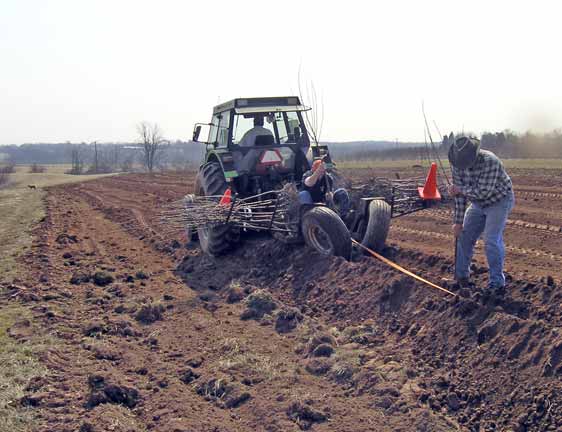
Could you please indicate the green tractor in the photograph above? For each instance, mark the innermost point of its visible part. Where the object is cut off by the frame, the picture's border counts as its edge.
(256, 146)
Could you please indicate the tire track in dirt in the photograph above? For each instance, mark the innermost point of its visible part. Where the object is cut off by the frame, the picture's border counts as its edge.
(449, 238)
(447, 214)
(533, 194)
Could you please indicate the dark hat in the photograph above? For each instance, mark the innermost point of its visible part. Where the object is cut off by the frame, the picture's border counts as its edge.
(464, 152)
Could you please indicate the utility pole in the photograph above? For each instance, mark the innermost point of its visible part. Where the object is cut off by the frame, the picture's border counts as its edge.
(96, 156)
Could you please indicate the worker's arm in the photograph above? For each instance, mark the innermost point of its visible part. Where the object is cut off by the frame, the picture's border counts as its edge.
(311, 180)
(460, 200)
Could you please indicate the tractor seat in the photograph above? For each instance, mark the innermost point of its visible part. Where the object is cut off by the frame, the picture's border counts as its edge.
(264, 140)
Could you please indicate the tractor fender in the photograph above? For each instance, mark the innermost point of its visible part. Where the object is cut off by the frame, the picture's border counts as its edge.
(210, 158)
(226, 162)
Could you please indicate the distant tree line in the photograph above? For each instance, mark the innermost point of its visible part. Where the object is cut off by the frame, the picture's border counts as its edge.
(529, 145)
(359, 150)
(104, 157)
(506, 144)
(151, 151)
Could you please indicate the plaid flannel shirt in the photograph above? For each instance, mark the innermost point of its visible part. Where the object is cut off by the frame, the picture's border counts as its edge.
(485, 183)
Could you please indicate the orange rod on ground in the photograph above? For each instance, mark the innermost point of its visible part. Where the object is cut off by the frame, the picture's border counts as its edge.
(402, 269)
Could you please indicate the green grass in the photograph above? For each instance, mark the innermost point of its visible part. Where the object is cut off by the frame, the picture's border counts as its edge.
(18, 364)
(20, 209)
(408, 163)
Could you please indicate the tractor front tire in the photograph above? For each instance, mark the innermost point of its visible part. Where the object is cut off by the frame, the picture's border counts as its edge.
(378, 225)
(216, 240)
(325, 232)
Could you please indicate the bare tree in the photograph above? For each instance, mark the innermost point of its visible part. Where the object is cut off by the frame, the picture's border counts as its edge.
(35, 168)
(8, 167)
(77, 160)
(96, 159)
(152, 142)
(4, 178)
(115, 156)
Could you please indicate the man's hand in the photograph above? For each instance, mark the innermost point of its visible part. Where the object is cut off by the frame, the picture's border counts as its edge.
(457, 230)
(316, 175)
(453, 190)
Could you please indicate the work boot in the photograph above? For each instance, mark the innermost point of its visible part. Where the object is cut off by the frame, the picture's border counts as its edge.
(497, 291)
(463, 283)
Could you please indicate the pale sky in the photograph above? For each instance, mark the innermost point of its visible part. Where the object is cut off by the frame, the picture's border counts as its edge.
(91, 70)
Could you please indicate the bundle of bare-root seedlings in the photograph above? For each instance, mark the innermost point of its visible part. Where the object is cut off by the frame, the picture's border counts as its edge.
(275, 211)
(402, 194)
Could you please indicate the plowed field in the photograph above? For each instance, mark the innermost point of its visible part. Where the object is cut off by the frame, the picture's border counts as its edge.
(153, 335)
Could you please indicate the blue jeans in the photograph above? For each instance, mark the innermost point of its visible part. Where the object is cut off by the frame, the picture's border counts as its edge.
(490, 221)
(341, 199)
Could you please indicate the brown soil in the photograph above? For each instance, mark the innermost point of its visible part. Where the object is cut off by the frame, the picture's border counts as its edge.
(154, 335)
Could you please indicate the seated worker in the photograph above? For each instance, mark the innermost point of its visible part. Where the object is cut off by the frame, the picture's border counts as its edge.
(317, 187)
(249, 138)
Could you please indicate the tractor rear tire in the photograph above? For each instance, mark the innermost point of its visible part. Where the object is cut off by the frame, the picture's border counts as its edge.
(325, 232)
(216, 240)
(378, 225)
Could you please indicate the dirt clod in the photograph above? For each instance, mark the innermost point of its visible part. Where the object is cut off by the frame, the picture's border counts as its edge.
(318, 366)
(102, 391)
(34, 399)
(188, 376)
(141, 275)
(86, 427)
(65, 239)
(106, 353)
(320, 339)
(195, 362)
(287, 319)
(150, 313)
(258, 303)
(102, 278)
(304, 415)
(453, 401)
(80, 278)
(94, 327)
(235, 294)
(223, 393)
(323, 350)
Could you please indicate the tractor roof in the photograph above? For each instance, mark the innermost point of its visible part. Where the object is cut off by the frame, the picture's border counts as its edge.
(262, 104)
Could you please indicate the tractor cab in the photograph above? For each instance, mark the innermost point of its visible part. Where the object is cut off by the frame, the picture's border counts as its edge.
(259, 143)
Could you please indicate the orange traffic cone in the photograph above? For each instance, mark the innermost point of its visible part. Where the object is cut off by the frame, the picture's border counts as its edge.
(429, 191)
(226, 198)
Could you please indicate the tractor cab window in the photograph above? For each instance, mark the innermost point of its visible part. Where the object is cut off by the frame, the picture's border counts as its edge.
(288, 125)
(285, 127)
(223, 128)
(244, 123)
(213, 130)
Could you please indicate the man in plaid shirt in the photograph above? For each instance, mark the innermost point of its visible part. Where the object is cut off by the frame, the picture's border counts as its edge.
(479, 177)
